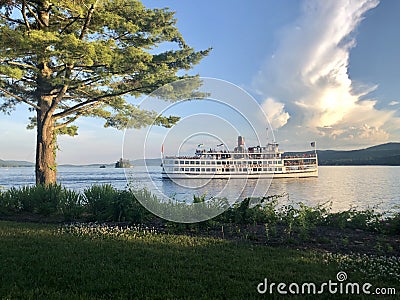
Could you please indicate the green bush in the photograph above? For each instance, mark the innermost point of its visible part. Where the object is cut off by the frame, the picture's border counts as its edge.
(98, 201)
(10, 202)
(71, 205)
(367, 219)
(106, 204)
(127, 208)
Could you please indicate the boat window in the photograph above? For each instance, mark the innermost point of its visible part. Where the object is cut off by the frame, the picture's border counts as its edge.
(197, 169)
(213, 162)
(203, 162)
(254, 162)
(259, 169)
(191, 169)
(260, 162)
(254, 169)
(265, 169)
(181, 162)
(208, 169)
(182, 169)
(197, 162)
(244, 169)
(202, 169)
(176, 169)
(192, 162)
(218, 162)
(186, 169)
(208, 162)
(176, 162)
(280, 169)
(186, 162)
(213, 170)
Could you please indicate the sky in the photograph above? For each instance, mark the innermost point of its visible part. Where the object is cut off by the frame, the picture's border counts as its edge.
(324, 71)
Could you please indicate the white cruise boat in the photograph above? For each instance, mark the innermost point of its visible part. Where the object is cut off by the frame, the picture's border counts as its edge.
(253, 162)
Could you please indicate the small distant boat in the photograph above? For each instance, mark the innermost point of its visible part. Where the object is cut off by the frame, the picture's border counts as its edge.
(102, 167)
(252, 162)
(123, 163)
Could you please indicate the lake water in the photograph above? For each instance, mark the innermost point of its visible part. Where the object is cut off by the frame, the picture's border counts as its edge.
(344, 186)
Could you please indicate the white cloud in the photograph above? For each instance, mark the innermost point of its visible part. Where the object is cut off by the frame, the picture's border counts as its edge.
(275, 112)
(308, 76)
(393, 103)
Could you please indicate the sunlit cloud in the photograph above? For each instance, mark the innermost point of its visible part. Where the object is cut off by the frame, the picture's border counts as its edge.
(275, 111)
(308, 76)
(393, 103)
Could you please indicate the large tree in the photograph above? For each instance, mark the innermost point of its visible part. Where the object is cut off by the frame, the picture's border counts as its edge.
(71, 58)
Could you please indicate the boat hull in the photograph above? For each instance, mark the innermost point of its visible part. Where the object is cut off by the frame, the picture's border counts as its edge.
(300, 174)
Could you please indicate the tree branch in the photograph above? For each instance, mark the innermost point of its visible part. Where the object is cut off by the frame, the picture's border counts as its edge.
(40, 23)
(11, 20)
(58, 126)
(18, 98)
(87, 21)
(73, 109)
(58, 98)
(82, 105)
(69, 24)
(15, 63)
(24, 15)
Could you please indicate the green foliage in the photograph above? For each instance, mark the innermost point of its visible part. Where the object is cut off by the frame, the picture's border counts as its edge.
(367, 219)
(72, 59)
(87, 56)
(244, 212)
(97, 200)
(72, 205)
(106, 204)
(43, 200)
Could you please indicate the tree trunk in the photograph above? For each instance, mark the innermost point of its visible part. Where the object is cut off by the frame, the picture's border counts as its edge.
(45, 170)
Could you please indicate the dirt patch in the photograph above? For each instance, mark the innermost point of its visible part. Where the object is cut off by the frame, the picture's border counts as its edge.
(320, 238)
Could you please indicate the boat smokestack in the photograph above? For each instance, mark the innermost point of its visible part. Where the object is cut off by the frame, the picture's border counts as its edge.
(240, 141)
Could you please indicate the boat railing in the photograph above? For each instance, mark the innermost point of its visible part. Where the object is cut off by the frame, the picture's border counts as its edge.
(304, 156)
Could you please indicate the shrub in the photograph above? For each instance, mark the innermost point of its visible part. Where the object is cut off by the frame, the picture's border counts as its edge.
(71, 205)
(98, 201)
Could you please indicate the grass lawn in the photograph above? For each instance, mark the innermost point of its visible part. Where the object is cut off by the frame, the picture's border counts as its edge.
(44, 262)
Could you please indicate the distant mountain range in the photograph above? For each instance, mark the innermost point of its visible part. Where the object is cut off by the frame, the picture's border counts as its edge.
(385, 154)
(15, 163)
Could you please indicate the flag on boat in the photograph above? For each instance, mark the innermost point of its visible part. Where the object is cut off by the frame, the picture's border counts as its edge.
(313, 144)
(200, 145)
(220, 145)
